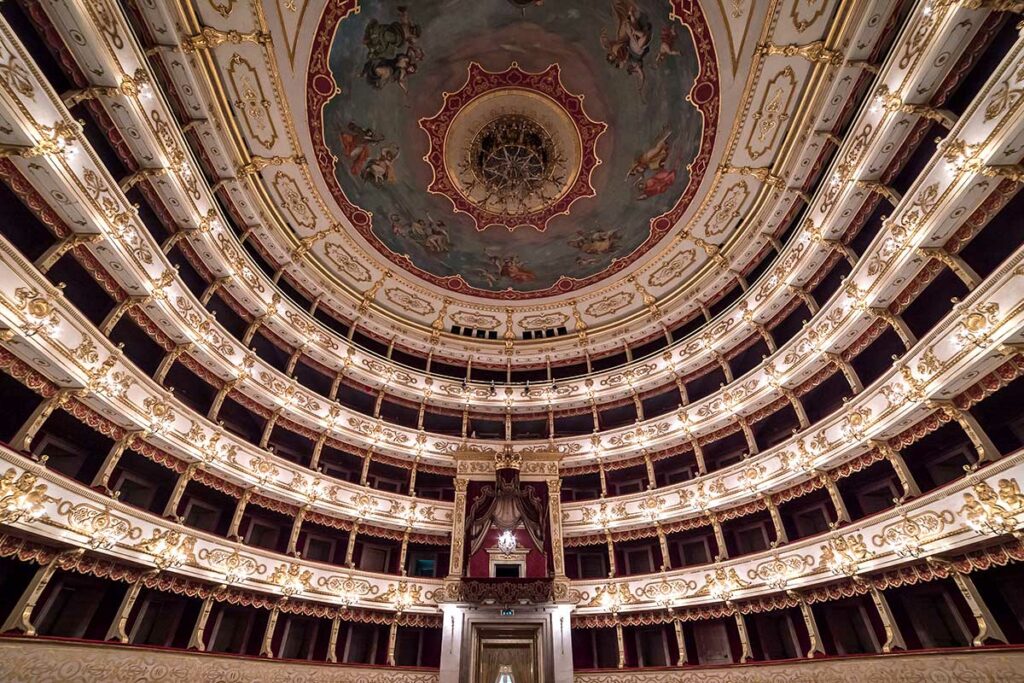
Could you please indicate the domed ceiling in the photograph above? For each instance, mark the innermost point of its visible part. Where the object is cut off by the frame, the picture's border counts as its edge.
(512, 148)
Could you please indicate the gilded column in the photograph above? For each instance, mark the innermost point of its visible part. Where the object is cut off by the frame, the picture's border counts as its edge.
(318, 448)
(171, 509)
(844, 366)
(293, 538)
(294, 358)
(218, 400)
(716, 527)
(620, 643)
(666, 561)
(236, 519)
(611, 553)
(195, 642)
(842, 514)
(987, 451)
(780, 529)
(555, 521)
(677, 626)
(20, 618)
(23, 439)
(741, 627)
(268, 428)
(899, 465)
(652, 481)
(363, 476)
(267, 649)
(412, 475)
(813, 634)
(458, 529)
(698, 455)
(118, 629)
(988, 627)
(332, 643)
(392, 639)
(404, 552)
(893, 637)
(102, 478)
(169, 360)
(110, 322)
(898, 325)
(955, 263)
(748, 434)
(350, 550)
(798, 407)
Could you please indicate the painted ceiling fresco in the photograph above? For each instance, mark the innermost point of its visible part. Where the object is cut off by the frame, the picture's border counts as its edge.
(634, 139)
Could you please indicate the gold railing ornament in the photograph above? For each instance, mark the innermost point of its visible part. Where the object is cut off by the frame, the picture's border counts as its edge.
(611, 597)
(161, 414)
(291, 579)
(169, 549)
(364, 503)
(777, 572)
(724, 582)
(312, 489)
(892, 102)
(57, 140)
(603, 515)
(22, 497)
(667, 593)
(346, 590)
(652, 506)
(40, 315)
(104, 529)
(401, 596)
(235, 567)
(102, 381)
(995, 511)
(843, 555)
(977, 325)
(800, 461)
(908, 536)
(856, 423)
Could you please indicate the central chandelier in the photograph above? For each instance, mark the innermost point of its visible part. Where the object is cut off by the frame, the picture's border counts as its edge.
(516, 163)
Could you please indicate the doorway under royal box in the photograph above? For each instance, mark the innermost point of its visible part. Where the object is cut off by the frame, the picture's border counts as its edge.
(500, 649)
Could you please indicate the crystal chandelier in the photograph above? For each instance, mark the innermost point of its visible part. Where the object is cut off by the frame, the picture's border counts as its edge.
(507, 543)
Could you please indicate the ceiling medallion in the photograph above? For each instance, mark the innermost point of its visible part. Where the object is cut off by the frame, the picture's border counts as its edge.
(512, 148)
